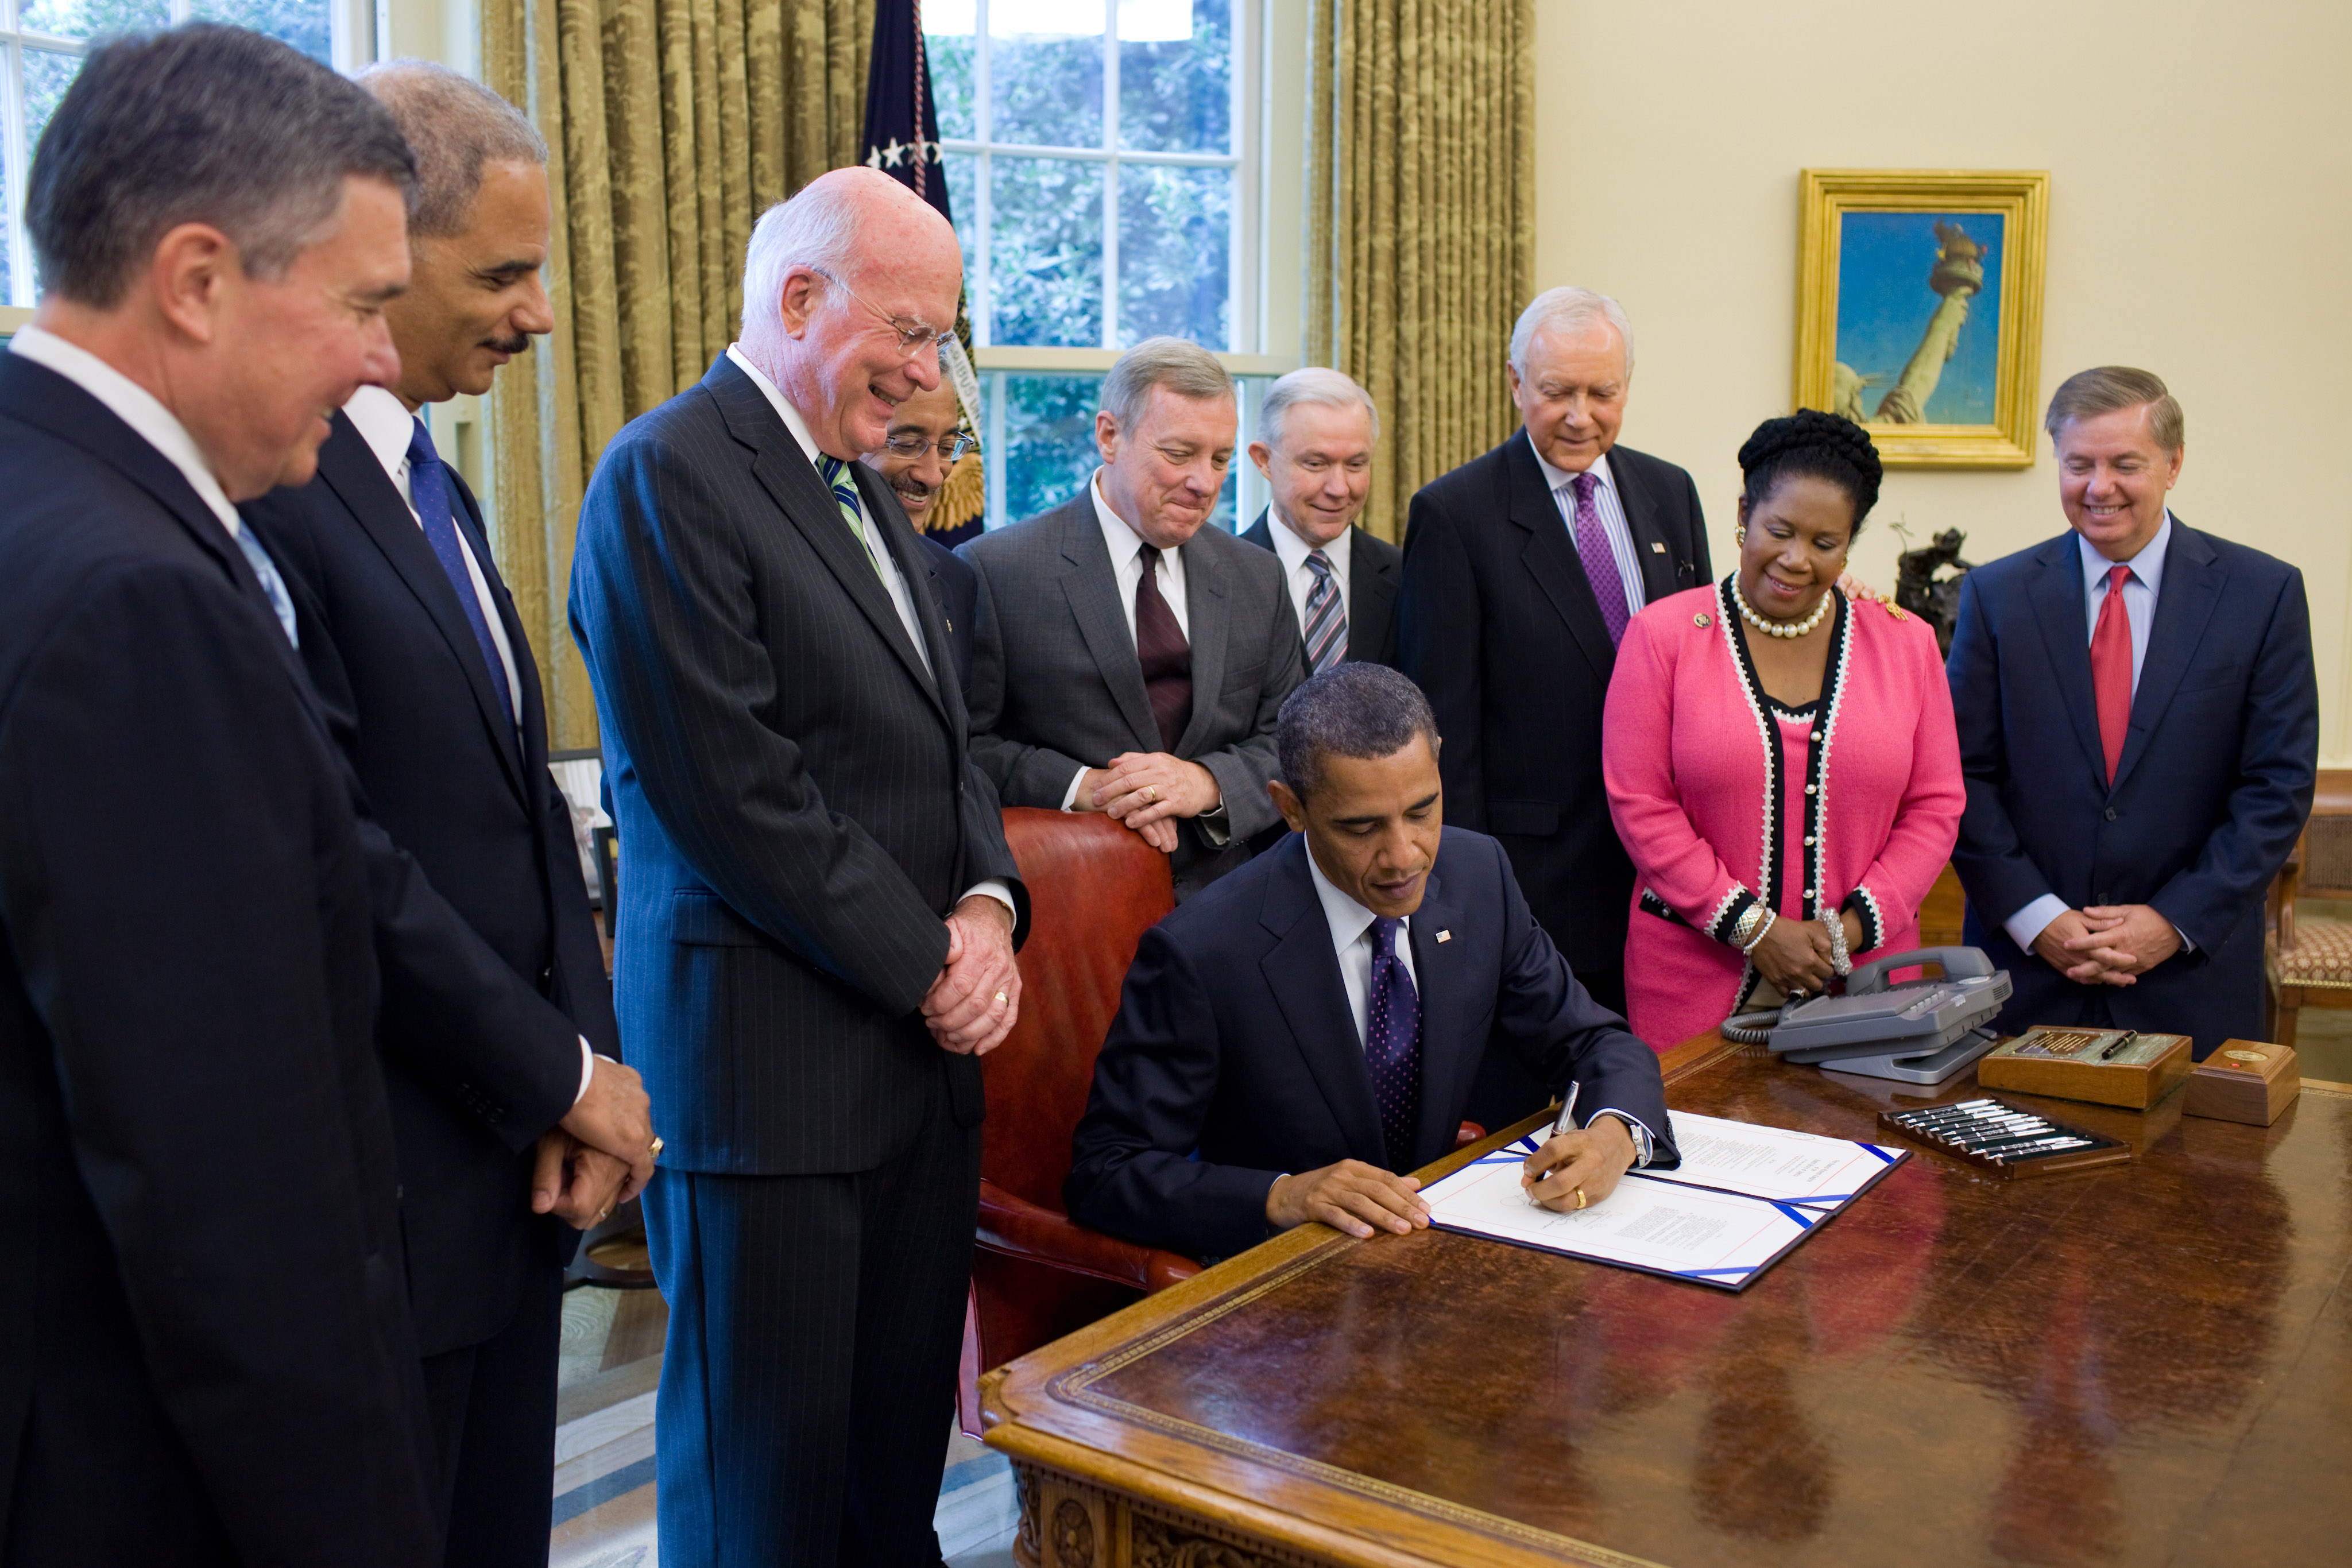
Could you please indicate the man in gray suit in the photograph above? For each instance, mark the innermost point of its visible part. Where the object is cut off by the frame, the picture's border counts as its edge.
(817, 904)
(1126, 659)
(1314, 435)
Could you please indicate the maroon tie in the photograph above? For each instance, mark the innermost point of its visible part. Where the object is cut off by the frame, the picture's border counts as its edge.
(1166, 657)
(2110, 672)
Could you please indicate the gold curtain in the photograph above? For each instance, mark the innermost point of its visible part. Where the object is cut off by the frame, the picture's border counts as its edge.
(1421, 222)
(671, 125)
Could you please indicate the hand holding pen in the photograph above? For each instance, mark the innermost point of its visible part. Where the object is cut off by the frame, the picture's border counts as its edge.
(1577, 1168)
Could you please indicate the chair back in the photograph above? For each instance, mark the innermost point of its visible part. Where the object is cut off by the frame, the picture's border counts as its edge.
(1095, 888)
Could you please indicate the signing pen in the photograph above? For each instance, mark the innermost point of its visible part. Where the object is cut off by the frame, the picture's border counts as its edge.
(2048, 1146)
(2128, 1036)
(1967, 1114)
(2013, 1146)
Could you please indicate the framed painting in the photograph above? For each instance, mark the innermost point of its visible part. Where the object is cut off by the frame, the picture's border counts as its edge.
(1919, 310)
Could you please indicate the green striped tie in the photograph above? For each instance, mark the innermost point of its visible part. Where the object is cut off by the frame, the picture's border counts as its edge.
(835, 473)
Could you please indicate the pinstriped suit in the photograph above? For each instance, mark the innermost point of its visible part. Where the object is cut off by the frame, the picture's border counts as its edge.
(797, 815)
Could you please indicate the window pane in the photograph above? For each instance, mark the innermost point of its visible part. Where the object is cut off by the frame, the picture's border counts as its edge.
(47, 74)
(1175, 76)
(87, 18)
(7, 230)
(963, 200)
(1049, 441)
(301, 23)
(1044, 72)
(1045, 253)
(1174, 225)
(949, 48)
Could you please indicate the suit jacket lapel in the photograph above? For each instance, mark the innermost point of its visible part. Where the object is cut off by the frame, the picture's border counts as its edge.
(1303, 972)
(1371, 589)
(41, 396)
(2193, 581)
(1207, 618)
(528, 695)
(1552, 558)
(1092, 589)
(1652, 552)
(2057, 593)
(897, 535)
(792, 480)
(1448, 1057)
(349, 467)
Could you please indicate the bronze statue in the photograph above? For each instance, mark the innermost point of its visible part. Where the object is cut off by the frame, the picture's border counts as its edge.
(1917, 589)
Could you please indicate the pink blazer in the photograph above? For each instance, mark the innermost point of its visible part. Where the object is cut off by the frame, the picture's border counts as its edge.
(1722, 802)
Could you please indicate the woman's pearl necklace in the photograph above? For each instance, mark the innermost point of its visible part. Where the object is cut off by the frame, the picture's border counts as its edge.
(1781, 628)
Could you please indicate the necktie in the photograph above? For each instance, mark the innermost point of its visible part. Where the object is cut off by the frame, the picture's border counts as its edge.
(428, 487)
(1166, 657)
(273, 587)
(835, 473)
(1599, 560)
(1392, 1043)
(1327, 617)
(2111, 668)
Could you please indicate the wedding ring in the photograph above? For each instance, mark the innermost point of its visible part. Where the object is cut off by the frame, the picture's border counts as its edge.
(654, 1149)
(1580, 1200)
(1151, 794)
(1002, 999)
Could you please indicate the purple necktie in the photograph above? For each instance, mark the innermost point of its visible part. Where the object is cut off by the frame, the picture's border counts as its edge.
(1599, 560)
(1392, 1043)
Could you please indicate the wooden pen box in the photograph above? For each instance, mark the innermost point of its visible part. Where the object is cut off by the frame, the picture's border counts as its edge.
(2085, 1064)
(2246, 1081)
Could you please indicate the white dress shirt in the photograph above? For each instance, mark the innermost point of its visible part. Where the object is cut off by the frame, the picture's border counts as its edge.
(901, 594)
(135, 406)
(1126, 546)
(1294, 551)
(1351, 942)
(1611, 506)
(2140, 590)
(384, 423)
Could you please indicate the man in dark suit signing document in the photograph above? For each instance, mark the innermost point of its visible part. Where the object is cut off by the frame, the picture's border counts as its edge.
(1299, 1034)
(2139, 730)
(817, 904)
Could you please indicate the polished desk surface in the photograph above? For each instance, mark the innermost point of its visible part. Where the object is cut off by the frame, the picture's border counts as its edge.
(2148, 1364)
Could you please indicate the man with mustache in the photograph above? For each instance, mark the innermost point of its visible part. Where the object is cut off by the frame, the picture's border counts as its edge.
(506, 1100)
(915, 459)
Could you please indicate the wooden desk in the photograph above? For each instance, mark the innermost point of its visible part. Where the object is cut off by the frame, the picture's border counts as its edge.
(2150, 1364)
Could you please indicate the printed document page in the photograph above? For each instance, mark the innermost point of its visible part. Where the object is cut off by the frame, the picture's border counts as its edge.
(1718, 1239)
(1775, 1162)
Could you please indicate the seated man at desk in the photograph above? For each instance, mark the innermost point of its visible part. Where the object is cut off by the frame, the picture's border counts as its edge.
(1310, 1025)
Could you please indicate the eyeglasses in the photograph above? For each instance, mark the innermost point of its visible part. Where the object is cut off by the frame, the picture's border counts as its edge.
(913, 336)
(952, 446)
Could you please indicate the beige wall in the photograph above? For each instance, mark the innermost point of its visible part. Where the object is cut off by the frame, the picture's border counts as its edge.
(2200, 163)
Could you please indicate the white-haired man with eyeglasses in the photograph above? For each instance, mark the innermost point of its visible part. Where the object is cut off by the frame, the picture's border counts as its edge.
(817, 905)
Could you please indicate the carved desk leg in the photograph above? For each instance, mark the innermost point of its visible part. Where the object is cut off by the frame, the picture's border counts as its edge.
(1066, 1523)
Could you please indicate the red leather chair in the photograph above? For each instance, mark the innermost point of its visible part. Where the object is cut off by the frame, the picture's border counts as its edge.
(1094, 889)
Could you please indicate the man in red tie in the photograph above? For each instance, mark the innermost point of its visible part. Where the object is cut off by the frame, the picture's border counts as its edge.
(2129, 804)
(1129, 656)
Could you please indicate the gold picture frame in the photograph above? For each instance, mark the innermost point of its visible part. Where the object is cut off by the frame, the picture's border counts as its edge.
(1892, 322)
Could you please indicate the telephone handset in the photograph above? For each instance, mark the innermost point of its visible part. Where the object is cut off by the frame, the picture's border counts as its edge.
(1942, 1017)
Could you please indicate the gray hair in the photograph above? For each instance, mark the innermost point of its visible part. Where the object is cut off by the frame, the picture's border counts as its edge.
(1331, 388)
(455, 125)
(206, 124)
(1570, 310)
(1185, 368)
(817, 228)
(1349, 710)
(2086, 394)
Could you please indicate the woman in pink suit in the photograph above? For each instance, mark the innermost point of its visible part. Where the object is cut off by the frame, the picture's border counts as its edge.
(1780, 758)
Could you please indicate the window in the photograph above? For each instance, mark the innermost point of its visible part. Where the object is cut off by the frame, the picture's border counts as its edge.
(43, 42)
(1097, 161)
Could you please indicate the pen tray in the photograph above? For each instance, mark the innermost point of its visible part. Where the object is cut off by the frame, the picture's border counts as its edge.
(2103, 1150)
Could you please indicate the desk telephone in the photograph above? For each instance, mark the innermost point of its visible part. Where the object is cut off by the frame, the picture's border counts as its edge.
(1920, 1032)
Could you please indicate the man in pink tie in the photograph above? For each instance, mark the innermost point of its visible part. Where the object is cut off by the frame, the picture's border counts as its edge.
(2139, 728)
(1521, 569)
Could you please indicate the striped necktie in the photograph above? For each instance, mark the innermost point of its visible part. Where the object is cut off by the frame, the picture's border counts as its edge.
(273, 587)
(1327, 617)
(835, 473)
